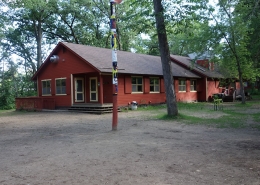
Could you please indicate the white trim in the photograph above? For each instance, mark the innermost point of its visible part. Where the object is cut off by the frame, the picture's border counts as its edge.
(56, 86)
(182, 85)
(96, 92)
(50, 87)
(195, 87)
(137, 92)
(83, 92)
(159, 90)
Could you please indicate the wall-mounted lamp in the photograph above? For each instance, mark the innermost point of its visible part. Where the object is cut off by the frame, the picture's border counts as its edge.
(54, 58)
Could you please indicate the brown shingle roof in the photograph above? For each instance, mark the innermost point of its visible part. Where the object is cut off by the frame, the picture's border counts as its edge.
(186, 61)
(130, 63)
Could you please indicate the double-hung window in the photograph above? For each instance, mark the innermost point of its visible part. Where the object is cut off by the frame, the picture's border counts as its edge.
(182, 85)
(46, 87)
(60, 86)
(193, 85)
(154, 85)
(137, 84)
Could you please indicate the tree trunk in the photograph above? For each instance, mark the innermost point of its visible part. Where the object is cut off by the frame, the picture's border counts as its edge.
(242, 91)
(38, 34)
(172, 109)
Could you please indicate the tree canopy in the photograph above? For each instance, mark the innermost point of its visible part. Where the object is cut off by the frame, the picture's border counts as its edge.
(229, 29)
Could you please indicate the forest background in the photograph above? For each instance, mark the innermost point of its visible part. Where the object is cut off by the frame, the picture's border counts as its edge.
(227, 29)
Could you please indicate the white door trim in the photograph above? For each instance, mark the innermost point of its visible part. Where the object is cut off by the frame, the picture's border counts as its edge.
(79, 91)
(93, 89)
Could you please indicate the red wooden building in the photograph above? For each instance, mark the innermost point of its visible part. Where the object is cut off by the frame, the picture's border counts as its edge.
(75, 75)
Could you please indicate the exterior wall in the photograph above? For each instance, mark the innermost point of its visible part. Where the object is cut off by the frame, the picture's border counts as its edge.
(201, 88)
(206, 64)
(188, 96)
(213, 87)
(34, 103)
(125, 95)
(68, 64)
(107, 89)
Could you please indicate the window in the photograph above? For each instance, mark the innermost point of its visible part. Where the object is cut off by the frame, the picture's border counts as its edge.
(193, 85)
(46, 87)
(61, 86)
(154, 85)
(182, 85)
(137, 84)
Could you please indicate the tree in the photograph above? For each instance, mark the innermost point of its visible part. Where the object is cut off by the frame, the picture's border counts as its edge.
(165, 59)
(28, 17)
(234, 31)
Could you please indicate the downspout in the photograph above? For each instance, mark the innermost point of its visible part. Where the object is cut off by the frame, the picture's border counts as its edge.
(71, 89)
(38, 86)
(206, 81)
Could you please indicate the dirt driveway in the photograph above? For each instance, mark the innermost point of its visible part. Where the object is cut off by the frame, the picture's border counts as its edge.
(40, 148)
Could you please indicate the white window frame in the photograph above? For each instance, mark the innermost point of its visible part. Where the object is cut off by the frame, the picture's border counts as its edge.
(182, 85)
(46, 80)
(61, 86)
(136, 92)
(192, 85)
(155, 85)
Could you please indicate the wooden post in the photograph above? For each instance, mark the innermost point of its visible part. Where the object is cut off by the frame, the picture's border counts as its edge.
(114, 61)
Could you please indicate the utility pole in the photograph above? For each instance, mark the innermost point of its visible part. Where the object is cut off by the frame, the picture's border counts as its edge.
(114, 60)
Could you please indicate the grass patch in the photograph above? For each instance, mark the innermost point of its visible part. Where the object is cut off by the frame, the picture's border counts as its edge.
(181, 106)
(203, 114)
(151, 107)
(228, 121)
(256, 97)
(192, 106)
(256, 117)
(11, 112)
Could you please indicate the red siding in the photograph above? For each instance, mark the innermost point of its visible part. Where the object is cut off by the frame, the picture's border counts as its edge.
(34, 103)
(71, 64)
(128, 88)
(68, 64)
(162, 88)
(201, 89)
(107, 89)
(126, 96)
(213, 87)
(185, 96)
(146, 84)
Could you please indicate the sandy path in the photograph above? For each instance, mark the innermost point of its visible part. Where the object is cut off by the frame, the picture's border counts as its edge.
(41, 148)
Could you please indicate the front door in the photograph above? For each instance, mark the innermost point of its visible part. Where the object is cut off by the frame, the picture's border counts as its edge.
(79, 90)
(93, 89)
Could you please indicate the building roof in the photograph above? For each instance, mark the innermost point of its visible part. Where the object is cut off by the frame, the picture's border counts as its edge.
(128, 62)
(198, 69)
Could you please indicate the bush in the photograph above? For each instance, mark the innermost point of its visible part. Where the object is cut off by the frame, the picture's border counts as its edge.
(254, 91)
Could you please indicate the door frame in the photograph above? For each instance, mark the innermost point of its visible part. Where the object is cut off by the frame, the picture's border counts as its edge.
(75, 89)
(90, 90)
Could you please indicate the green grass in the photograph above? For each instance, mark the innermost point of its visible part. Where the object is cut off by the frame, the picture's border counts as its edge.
(231, 116)
(11, 112)
(256, 97)
(228, 121)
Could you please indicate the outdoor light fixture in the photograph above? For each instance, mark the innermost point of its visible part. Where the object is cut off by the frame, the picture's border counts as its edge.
(54, 58)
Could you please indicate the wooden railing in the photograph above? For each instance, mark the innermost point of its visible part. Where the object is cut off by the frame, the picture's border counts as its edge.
(34, 103)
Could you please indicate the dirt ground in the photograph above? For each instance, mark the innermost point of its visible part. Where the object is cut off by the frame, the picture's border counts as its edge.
(40, 148)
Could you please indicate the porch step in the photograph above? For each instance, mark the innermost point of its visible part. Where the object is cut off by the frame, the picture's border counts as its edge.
(93, 110)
